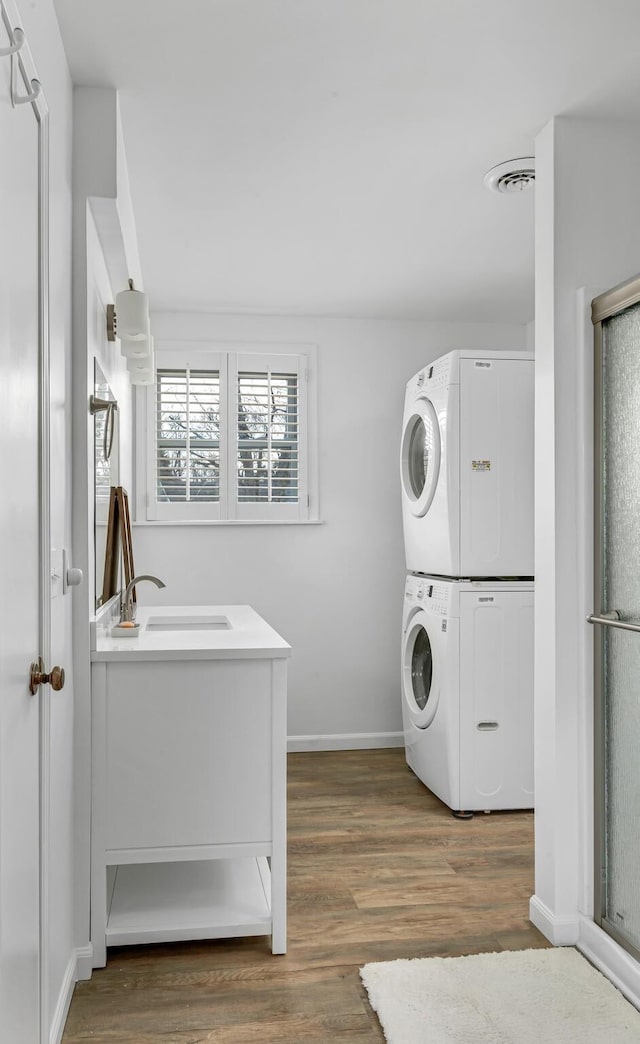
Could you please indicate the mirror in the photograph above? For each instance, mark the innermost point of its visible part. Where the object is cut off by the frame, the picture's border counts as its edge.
(106, 471)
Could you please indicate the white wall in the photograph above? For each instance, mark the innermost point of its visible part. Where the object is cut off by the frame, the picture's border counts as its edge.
(334, 591)
(587, 216)
(530, 336)
(41, 28)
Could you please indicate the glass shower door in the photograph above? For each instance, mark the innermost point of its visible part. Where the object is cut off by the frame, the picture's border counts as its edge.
(617, 614)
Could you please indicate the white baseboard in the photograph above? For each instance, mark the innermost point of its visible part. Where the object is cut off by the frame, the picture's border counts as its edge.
(64, 1000)
(609, 958)
(346, 741)
(561, 931)
(84, 962)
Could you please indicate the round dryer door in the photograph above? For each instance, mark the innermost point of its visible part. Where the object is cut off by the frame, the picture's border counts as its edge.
(419, 671)
(420, 457)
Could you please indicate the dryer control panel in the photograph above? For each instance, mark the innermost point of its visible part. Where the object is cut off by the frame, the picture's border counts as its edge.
(436, 375)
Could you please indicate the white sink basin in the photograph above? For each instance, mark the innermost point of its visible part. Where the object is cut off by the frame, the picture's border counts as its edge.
(188, 623)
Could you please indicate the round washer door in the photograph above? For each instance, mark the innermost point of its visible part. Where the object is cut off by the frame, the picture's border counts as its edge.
(420, 671)
(420, 457)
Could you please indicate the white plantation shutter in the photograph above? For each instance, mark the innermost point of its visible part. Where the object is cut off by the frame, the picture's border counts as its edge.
(188, 435)
(229, 437)
(268, 443)
(267, 438)
(187, 447)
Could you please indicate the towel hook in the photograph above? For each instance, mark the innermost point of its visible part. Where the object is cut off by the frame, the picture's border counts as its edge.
(17, 40)
(31, 95)
(96, 405)
(36, 87)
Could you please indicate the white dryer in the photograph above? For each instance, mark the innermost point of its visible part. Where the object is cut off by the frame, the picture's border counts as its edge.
(467, 465)
(467, 690)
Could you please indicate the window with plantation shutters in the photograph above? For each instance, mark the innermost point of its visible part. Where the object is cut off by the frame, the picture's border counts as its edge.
(188, 435)
(228, 436)
(269, 467)
(267, 438)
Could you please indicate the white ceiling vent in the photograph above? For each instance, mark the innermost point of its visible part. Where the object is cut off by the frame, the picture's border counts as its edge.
(515, 175)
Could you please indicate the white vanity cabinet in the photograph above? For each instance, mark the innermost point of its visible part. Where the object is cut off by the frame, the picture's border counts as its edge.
(189, 780)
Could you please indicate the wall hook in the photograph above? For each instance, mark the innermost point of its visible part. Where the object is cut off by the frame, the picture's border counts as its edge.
(36, 87)
(31, 95)
(17, 40)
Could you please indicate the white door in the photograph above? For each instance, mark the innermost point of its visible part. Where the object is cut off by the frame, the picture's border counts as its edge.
(21, 631)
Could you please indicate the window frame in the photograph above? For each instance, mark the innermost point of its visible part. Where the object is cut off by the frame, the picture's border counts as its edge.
(229, 359)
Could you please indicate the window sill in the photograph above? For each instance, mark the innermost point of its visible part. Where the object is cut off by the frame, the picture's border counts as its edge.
(229, 522)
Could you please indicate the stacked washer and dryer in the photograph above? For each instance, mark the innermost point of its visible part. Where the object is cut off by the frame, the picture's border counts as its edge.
(467, 628)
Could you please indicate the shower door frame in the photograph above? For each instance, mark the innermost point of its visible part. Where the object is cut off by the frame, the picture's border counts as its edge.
(603, 307)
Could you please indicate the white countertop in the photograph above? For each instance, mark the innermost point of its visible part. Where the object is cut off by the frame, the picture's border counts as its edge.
(247, 637)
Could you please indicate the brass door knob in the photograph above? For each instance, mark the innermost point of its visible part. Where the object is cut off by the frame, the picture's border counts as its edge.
(37, 677)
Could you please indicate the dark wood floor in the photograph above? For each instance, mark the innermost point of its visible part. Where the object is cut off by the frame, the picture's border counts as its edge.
(378, 869)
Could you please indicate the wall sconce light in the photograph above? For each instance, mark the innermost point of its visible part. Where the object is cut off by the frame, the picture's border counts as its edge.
(142, 368)
(140, 377)
(136, 349)
(128, 320)
(132, 311)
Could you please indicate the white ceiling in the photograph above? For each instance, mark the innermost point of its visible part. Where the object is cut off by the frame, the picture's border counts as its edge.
(326, 157)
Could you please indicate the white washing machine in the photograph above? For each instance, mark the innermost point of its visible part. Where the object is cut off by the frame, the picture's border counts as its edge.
(467, 465)
(467, 690)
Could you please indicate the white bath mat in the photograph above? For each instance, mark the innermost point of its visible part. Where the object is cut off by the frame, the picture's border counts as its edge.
(550, 996)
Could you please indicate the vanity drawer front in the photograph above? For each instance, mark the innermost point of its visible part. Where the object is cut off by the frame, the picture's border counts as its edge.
(188, 752)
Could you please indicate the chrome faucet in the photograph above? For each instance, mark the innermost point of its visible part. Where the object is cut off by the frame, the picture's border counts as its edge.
(127, 607)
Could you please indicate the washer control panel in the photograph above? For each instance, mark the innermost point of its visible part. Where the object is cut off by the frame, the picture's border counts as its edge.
(438, 601)
(427, 592)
